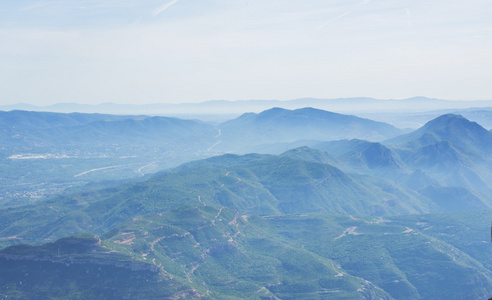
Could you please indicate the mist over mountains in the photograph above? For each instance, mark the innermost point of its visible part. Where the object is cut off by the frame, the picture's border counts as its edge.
(416, 110)
(280, 204)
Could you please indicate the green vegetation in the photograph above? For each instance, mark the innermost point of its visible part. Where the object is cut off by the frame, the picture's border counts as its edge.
(218, 253)
(252, 184)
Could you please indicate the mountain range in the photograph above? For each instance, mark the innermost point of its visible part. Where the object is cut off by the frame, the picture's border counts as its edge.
(403, 215)
(217, 107)
(43, 153)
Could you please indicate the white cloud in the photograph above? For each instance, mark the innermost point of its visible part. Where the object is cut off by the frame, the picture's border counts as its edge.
(162, 8)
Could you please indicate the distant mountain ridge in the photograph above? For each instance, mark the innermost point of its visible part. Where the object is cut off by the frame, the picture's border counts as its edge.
(29, 119)
(57, 128)
(346, 105)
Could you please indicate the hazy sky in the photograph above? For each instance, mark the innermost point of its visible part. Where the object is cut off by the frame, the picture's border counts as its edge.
(149, 51)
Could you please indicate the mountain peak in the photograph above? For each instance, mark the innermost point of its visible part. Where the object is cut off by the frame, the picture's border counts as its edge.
(278, 125)
(453, 128)
(446, 120)
(296, 113)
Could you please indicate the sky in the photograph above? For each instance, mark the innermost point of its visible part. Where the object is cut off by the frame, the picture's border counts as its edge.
(183, 51)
